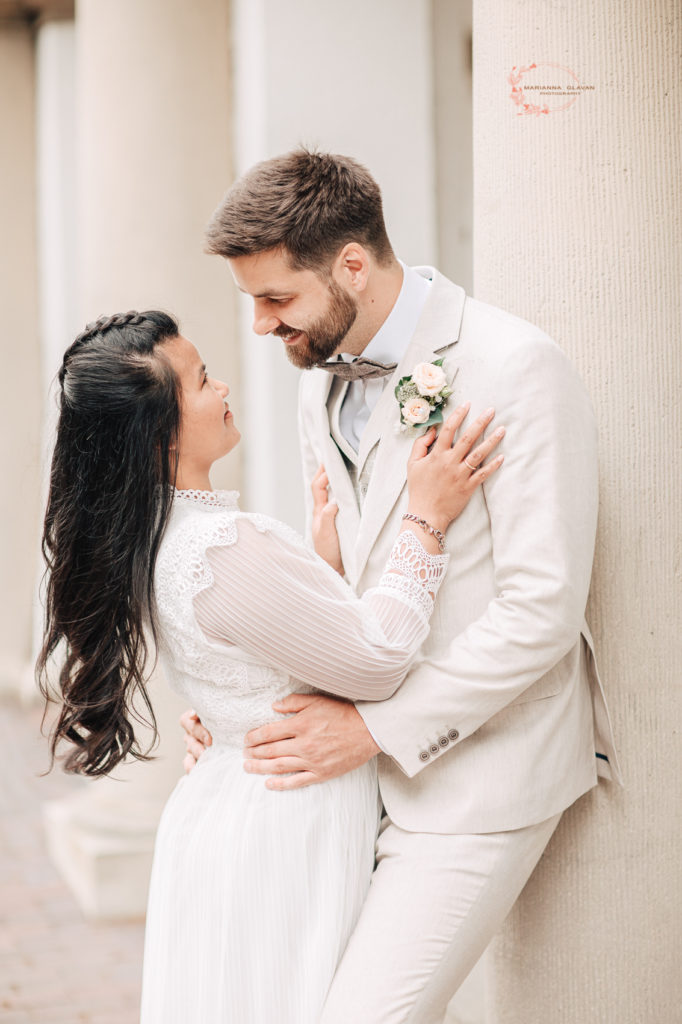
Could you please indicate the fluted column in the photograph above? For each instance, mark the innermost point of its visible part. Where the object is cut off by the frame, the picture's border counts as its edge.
(577, 216)
(152, 160)
(20, 391)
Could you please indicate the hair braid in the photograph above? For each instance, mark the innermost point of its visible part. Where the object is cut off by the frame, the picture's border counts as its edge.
(94, 328)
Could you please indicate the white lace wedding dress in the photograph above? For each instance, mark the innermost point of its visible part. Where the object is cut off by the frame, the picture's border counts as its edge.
(254, 893)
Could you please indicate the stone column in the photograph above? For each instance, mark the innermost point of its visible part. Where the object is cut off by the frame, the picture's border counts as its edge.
(153, 158)
(577, 211)
(20, 390)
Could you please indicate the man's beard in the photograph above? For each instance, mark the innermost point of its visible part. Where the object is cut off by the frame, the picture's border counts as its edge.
(324, 335)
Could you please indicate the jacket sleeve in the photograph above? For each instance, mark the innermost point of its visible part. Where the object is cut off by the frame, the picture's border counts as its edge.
(542, 507)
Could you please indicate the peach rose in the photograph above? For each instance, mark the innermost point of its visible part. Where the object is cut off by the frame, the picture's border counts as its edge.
(430, 379)
(416, 411)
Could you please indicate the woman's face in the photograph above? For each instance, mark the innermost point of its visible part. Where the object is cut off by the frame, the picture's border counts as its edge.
(207, 429)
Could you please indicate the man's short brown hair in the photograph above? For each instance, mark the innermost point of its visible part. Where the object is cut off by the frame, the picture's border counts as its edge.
(309, 204)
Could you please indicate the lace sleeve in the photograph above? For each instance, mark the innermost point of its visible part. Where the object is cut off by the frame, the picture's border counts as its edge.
(413, 573)
(279, 602)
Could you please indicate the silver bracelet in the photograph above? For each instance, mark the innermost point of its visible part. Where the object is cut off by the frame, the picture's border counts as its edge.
(429, 529)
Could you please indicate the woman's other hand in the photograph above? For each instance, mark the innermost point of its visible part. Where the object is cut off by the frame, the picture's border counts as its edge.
(325, 537)
(196, 738)
(442, 473)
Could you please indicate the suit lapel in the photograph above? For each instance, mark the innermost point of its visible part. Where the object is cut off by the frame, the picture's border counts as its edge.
(435, 337)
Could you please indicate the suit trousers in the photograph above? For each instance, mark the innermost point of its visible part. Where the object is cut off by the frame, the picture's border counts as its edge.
(434, 904)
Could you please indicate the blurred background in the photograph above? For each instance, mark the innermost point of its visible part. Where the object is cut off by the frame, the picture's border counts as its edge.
(122, 123)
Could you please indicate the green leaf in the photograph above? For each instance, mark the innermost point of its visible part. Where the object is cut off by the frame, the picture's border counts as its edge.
(435, 417)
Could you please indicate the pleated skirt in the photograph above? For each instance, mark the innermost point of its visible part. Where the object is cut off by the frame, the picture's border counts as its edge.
(254, 894)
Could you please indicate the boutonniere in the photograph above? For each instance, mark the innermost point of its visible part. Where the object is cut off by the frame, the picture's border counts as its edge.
(421, 396)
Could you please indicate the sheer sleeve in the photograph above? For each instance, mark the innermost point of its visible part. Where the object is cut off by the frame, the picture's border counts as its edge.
(277, 600)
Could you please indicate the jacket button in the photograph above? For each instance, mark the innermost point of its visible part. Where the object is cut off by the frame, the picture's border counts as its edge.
(443, 740)
(424, 755)
(453, 734)
(434, 748)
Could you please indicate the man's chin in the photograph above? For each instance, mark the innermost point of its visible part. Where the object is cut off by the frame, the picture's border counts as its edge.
(300, 356)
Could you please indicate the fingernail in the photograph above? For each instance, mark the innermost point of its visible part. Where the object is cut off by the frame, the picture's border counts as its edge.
(500, 432)
(206, 739)
(489, 411)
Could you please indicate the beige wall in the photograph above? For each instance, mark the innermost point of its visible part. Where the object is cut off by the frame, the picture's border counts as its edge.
(577, 227)
(21, 398)
(451, 63)
(356, 79)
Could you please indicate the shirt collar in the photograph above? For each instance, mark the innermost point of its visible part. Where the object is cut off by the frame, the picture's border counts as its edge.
(391, 340)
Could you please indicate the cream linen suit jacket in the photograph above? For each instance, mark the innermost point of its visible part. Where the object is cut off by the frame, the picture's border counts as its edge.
(502, 720)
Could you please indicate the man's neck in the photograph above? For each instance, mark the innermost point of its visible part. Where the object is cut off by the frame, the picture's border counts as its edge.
(375, 305)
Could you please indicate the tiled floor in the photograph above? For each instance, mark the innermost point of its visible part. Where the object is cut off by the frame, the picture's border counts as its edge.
(55, 967)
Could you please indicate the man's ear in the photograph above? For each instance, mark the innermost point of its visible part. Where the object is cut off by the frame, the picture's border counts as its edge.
(352, 265)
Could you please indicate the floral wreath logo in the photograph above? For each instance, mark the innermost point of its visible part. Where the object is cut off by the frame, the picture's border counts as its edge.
(525, 105)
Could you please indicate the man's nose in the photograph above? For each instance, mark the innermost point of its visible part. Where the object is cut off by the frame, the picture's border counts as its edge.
(264, 323)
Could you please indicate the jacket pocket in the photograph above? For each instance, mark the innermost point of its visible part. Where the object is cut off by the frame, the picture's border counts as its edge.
(553, 681)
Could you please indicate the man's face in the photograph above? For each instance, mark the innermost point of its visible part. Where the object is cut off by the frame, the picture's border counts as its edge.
(312, 316)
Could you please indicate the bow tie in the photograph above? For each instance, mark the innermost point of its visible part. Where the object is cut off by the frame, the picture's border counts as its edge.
(359, 369)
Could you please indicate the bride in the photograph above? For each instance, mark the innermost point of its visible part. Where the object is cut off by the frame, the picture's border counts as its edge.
(253, 893)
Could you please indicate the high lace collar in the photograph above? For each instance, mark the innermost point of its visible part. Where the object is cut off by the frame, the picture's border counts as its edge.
(209, 499)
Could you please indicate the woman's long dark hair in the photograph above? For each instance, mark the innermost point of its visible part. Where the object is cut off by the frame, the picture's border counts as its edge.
(111, 487)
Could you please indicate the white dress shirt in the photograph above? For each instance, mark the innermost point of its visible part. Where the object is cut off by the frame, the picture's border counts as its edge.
(387, 346)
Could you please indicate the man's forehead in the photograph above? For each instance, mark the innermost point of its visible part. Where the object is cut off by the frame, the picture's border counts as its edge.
(266, 275)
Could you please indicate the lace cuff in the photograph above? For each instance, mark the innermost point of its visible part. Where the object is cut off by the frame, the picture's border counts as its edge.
(413, 573)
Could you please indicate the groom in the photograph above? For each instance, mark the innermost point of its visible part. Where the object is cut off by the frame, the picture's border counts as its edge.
(501, 724)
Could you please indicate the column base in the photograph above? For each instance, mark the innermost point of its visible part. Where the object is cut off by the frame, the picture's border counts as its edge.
(106, 865)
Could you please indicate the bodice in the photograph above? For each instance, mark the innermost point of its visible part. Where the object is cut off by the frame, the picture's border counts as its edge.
(230, 689)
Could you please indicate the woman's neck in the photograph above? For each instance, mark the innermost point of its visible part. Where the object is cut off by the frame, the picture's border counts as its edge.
(195, 480)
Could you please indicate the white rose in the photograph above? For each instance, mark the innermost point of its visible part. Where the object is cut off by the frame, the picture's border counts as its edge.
(415, 411)
(429, 379)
